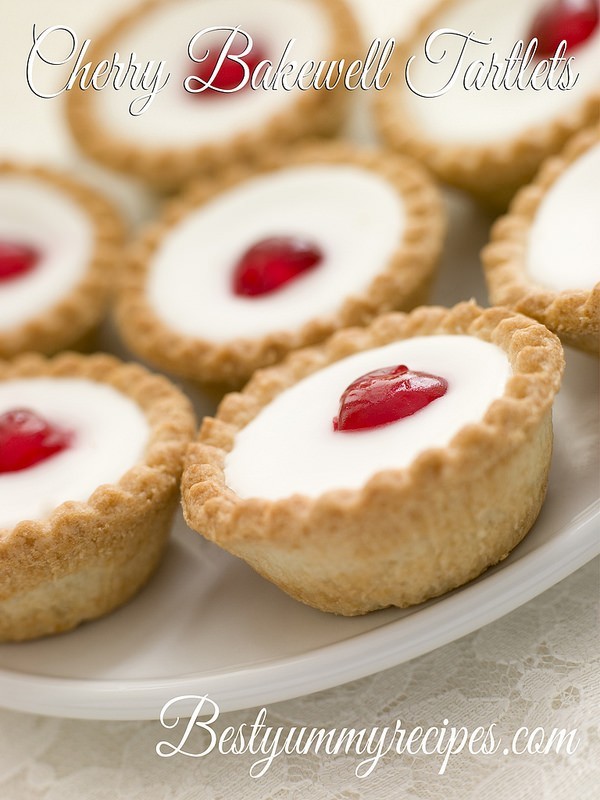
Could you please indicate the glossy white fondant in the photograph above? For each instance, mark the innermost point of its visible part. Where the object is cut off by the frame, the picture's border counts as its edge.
(355, 216)
(110, 436)
(291, 447)
(489, 115)
(176, 117)
(564, 240)
(37, 214)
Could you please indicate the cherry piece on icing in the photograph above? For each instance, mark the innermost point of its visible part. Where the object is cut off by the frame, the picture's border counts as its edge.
(386, 395)
(16, 259)
(573, 21)
(271, 263)
(27, 439)
(229, 76)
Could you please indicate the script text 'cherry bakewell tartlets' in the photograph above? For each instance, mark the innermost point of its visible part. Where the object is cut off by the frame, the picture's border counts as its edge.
(185, 130)
(496, 93)
(59, 245)
(91, 451)
(245, 268)
(387, 466)
(544, 256)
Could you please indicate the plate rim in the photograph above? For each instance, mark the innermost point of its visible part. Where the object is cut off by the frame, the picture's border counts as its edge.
(318, 669)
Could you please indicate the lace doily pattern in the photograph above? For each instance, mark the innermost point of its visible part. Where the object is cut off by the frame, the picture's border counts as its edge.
(536, 667)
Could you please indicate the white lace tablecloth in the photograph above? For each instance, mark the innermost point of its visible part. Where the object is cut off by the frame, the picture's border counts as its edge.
(536, 667)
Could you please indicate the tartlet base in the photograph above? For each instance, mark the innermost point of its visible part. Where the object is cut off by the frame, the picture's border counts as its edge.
(68, 322)
(89, 557)
(491, 172)
(572, 314)
(167, 168)
(408, 534)
(402, 284)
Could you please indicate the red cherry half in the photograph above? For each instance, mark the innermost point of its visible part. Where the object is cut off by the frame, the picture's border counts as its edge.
(16, 259)
(27, 439)
(271, 263)
(386, 395)
(572, 20)
(230, 75)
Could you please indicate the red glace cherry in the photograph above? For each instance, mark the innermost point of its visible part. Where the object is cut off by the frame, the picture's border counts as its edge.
(386, 395)
(572, 20)
(229, 76)
(26, 439)
(16, 259)
(271, 263)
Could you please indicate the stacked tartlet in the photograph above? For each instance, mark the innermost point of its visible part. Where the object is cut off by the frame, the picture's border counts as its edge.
(389, 465)
(243, 269)
(491, 138)
(59, 245)
(374, 458)
(544, 256)
(187, 130)
(90, 457)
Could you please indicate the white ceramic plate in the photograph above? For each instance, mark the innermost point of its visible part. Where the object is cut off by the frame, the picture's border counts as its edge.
(207, 624)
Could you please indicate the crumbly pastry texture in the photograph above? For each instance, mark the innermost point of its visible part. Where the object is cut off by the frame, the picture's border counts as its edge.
(70, 321)
(410, 534)
(167, 168)
(403, 284)
(89, 557)
(572, 314)
(492, 171)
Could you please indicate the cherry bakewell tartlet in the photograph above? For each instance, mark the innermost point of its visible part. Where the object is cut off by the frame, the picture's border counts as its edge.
(188, 129)
(91, 451)
(387, 466)
(492, 139)
(59, 241)
(262, 261)
(544, 256)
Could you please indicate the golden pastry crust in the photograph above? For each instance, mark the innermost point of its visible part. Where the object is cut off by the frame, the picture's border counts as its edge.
(491, 171)
(166, 168)
(73, 318)
(403, 284)
(90, 557)
(408, 534)
(572, 314)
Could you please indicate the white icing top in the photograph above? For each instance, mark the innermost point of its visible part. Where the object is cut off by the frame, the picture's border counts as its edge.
(291, 447)
(564, 240)
(180, 118)
(111, 433)
(355, 216)
(487, 115)
(36, 214)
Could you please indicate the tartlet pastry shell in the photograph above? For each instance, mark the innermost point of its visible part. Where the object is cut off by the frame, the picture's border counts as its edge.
(90, 557)
(71, 321)
(572, 314)
(493, 171)
(408, 534)
(402, 284)
(167, 168)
